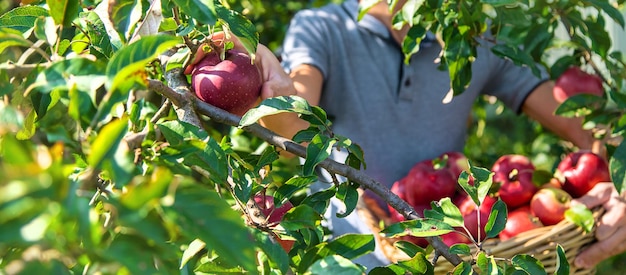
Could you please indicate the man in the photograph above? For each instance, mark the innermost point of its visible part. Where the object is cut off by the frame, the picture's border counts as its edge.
(402, 113)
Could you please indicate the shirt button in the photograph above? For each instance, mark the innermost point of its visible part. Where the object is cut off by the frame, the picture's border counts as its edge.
(407, 82)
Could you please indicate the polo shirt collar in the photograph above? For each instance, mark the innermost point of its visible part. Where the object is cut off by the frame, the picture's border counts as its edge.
(368, 22)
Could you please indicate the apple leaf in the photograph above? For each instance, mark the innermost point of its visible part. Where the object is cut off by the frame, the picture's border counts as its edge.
(128, 65)
(497, 219)
(202, 10)
(301, 216)
(240, 26)
(617, 167)
(10, 38)
(457, 53)
(580, 215)
(517, 55)
(486, 263)
(418, 264)
(409, 248)
(580, 105)
(463, 268)
(63, 11)
(610, 10)
(528, 263)
(107, 142)
(445, 211)
(22, 18)
(276, 105)
(317, 151)
(273, 250)
(349, 246)
(292, 186)
(460, 248)
(562, 265)
(335, 264)
(203, 214)
(425, 227)
(147, 188)
(348, 194)
(192, 249)
(93, 26)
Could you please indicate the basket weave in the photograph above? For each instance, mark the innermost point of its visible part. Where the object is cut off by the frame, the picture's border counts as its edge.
(539, 243)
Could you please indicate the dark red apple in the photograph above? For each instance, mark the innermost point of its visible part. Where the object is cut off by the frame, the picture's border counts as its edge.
(518, 221)
(549, 205)
(425, 183)
(233, 84)
(470, 212)
(273, 214)
(576, 81)
(514, 174)
(580, 171)
(456, 162)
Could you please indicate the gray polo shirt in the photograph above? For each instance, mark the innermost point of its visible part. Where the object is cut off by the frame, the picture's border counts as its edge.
(395, 111)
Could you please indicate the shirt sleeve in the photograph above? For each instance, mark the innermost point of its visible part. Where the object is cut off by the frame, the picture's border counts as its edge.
(304, 42)
(509, 82)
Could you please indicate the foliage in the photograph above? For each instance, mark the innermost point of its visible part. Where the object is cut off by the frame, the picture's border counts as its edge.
(100, 172)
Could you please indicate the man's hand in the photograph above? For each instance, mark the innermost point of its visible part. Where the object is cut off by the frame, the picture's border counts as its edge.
(611, 228)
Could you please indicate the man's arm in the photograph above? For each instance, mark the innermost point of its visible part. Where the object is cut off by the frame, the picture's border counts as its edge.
(540, 105)
(307, 83)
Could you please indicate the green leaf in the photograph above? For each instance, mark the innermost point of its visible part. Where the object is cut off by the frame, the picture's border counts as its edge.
(107, 142)
(317, 151)
(425, 227)
(348, 194)
(497, 219)
(445, 211)
(273, 250)
(419, 264)
(409, 248)
(463, 268)
(176, 132)
(276, 105)
(412, 41)
(293, 185)
(516, 55)
(202, 10)
(192, 249)
(96, 31)
(147, 189)
(63, 11)
(460, 248)
(240, 26)
(350, 246)
(29, 128)
(301, 216)
(497, 3)
(617, 166)
(84, 74)
(8, 38)
(562, 265)
(365, 6)
(107, 154)
(127, 66)
(22, 18)
(335, 264)
(610, 10)
(203, 214)
(528, 263)
(580, 105)
(580, 215)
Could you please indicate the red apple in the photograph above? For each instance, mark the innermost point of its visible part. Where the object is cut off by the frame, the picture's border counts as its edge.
(575, 81)
(273, 214)
(580, 171)
(456, 162)
(518, 221)
(425, 183)
(514, 173)
(470, 212)
(233, 84)
(549, 205)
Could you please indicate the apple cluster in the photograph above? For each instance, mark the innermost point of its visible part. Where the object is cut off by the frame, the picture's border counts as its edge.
(274, 215)
(530, 205)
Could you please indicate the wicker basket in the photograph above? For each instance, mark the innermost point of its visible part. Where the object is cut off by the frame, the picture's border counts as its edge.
(539, 243)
